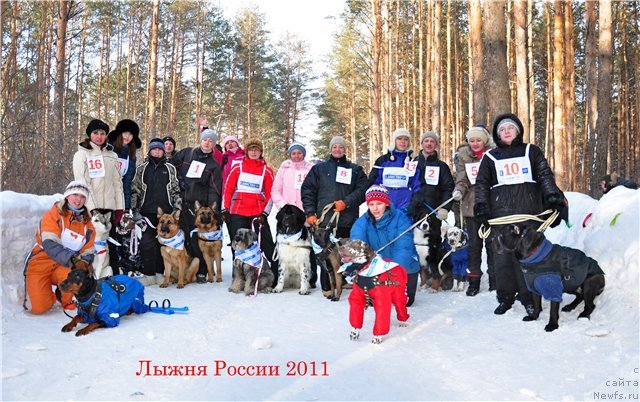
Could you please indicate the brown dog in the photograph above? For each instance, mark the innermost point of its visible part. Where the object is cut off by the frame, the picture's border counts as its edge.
(328, 259)
(178, 264)
(209, 239)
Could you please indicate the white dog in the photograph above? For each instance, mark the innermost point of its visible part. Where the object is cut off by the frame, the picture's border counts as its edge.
(102, 224)
(294, 249)
(455, 242)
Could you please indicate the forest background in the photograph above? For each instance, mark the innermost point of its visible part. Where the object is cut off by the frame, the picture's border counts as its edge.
(568, 69)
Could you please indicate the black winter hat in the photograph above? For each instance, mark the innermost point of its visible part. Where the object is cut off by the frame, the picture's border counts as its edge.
(169, 138)
(126, 125)
(155, 143)
(96, 124)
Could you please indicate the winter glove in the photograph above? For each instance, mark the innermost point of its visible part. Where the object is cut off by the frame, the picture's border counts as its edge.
(482, 214)
(262, 218)
(117, 217)
(555, 201)
(226, 218)
(77, 262)
(457, 195)
(311, 220)
(442, 214)
(339, 206)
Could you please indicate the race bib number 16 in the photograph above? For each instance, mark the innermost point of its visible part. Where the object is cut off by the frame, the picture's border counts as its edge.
(95, 166)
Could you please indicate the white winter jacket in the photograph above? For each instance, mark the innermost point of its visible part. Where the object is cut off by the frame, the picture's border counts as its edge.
(106, 191)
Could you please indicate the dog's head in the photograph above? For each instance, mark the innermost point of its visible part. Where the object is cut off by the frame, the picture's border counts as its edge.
(243, 239)
(356, 252)
(79, 283)
(522, 239)
(206, 220)
(455, 237)
(321, 235)
(102, 222)
(168, 223)
(126, 224)
(290, 219)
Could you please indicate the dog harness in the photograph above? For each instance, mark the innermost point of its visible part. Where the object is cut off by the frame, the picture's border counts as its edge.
(251, 256)
(100, 246)
(289, 238)
(207, 236)
(90, 306)
(176, 242)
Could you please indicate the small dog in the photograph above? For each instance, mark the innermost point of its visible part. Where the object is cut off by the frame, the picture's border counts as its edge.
(125, 256)
(249, 265)
(328, 258)
(294, 250)
(550, 270)
(421, 234)
(102, 302)
(377, 281)
(101, 265)
(455, 242)
(209, 239)
(178, 264)
(434, 275)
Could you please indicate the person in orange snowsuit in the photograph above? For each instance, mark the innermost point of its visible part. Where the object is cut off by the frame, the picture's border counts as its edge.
(64, 238)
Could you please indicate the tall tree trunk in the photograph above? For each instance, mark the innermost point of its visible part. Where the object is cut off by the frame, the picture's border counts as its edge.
(522, 80)
(591, 95)
(570, 95)
(559, 131)
(153, 70)
(605, 63)
(494, 26)
(80, 79)
(60, 84)
(436, 73)
(477, 56)
(530, 73)
(376, 71)
(549, 121)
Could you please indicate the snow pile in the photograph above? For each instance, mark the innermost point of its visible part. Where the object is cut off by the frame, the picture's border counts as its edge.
(291, 347)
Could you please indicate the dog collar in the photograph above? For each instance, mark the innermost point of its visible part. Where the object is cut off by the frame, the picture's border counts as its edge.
(290, 238)
(539, 253)
(176, 242)
(100, 247)
(251, 256)
(317, 249)
(208, 236)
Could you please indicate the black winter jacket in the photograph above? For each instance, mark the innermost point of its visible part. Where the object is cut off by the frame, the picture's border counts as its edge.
(434, 195)
(320, 188)
(207, 188)
(494, 200)
(155, 185)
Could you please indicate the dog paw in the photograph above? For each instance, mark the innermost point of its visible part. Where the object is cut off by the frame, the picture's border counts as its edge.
(218, 280)
(335, 298)
(354, 334)
(210, 280)
(268, 289)
(377, 339)
(82, 332)
(164, 284)
(68, 328)
(403, 324)
(278, 289)
(432, 290)
(180, 285)
(304, 292)
(550, 327)
(528, 318)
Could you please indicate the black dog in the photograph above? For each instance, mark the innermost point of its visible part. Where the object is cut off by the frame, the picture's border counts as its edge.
(550, 270)
(124, 255)
(102, 302)
(296, 268)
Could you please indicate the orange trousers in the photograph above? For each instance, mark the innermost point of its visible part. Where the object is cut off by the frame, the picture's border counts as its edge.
(42, 274)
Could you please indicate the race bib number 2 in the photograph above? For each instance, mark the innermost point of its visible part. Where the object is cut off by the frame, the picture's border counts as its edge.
(432, 175)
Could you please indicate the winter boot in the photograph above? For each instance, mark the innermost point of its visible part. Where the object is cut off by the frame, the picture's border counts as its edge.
(377, 339)
(502, 308)
(474, 286)
(354, 334)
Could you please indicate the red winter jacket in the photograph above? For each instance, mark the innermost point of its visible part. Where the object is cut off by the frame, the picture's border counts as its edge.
(244, 203)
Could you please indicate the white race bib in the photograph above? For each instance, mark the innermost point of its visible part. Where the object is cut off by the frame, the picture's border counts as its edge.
(235, 162)
(472, 171)
(432, 175)
(250, 183)
(411, 167)
(123, 165)
(70, 239)
(95, 166)
(513, 170)
(196, 169)
(343, 175)
(395, 177)
(299, 178)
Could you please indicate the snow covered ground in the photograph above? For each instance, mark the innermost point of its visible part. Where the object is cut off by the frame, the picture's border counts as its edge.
(291, 347)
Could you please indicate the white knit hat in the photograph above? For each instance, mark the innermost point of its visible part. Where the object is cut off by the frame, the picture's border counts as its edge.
(478, 132)
(77, 187)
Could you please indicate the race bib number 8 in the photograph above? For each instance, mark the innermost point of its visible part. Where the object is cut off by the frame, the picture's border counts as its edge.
(95, 166)
(343, 175)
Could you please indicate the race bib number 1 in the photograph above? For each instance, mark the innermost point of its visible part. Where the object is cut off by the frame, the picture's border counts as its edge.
(196, 169)
(411, 167)
(299, 179)
(95, 166)
(343, 175)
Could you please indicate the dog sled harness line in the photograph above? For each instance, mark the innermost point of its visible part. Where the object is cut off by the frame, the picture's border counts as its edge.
(207, 236)
(505, 220)
(176, 242)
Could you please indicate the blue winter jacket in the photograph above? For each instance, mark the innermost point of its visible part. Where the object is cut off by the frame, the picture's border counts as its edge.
(128, 177)
(401, 196)
(392, 223)
(114, 305)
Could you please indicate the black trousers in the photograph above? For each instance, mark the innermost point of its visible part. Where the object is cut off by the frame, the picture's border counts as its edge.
(510, 279)
(475, 251)
(412, 286)
(267, 245)
(152, 262)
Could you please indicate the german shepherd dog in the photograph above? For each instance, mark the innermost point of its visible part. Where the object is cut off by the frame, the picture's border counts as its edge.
(550, 270)
(102, 302)
(209, 239)
(245, 275)
(101, 263)
(178, 264)
(328, 259)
